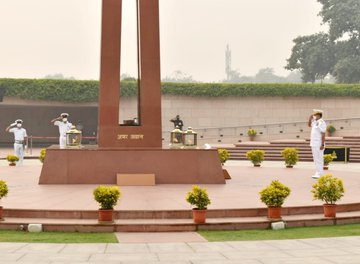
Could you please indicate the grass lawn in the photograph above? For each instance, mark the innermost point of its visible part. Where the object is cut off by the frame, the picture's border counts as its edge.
(289, 233)
(56, 237)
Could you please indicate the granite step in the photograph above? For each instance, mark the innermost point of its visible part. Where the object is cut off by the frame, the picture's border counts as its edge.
(177, 225)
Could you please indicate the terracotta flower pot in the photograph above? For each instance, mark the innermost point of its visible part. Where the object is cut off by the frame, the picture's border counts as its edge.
(199, 216)
(12, 164)
(274, 212)
(105, 215)
(257, 165)
(330, 210)
(325, 167)
(289, 166)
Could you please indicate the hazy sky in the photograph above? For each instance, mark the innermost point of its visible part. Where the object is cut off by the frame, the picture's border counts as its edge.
(41, 37)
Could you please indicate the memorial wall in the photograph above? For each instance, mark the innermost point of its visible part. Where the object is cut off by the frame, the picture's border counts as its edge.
(198, 112)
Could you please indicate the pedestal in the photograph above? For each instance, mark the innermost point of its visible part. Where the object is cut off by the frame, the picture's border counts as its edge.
(93, 165)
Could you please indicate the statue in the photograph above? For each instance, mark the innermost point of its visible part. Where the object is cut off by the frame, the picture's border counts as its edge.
(178, 123)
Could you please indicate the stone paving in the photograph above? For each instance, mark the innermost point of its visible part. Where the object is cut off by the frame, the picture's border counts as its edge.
(242, 191)
(299, 251)
(184, 247)
(159, 237)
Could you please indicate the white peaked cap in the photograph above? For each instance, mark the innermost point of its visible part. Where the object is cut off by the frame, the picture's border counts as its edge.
(318, 111)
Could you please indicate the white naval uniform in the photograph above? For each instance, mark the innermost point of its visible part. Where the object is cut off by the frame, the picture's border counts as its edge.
(317, 128)
(20, 135)
(63, 128)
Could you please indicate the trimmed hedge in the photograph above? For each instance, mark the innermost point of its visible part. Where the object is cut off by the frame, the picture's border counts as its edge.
(87, 91)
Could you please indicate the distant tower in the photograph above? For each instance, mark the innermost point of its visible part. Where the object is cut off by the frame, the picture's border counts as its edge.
(228, 62)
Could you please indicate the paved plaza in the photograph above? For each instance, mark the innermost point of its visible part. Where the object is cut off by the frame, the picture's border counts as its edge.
(242, 191)
(302, 251)
(239, 192)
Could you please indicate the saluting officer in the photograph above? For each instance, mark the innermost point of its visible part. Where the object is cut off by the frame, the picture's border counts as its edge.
(64, 126)
(20, 139)
(317, 141)
(178, 123)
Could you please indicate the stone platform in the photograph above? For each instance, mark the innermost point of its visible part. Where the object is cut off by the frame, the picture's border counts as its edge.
(235, 205)
(94, 165)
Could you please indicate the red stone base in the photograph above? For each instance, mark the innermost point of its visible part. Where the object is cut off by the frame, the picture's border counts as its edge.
(93, 165)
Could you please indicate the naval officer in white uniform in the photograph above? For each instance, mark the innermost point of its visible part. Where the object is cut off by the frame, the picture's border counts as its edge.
(20, 139)
(64, 126)
(317, 141)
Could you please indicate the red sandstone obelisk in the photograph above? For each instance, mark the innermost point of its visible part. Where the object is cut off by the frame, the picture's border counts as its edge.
(134, 150)
(148, 132)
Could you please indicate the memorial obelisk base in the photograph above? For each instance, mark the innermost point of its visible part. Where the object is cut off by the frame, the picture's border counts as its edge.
(100, 166)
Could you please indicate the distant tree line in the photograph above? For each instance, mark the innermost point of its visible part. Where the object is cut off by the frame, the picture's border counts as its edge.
(265, 75)
(58, 76)
(336, 52)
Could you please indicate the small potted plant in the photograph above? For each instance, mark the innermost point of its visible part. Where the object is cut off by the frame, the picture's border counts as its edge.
(252, 133)
(255, 156)
(330, 129)
(3, 192)
(42, 155)
(12, 159)
(290, 156)
(274, 196)
(327, 159)
(200, 200)
(224, 156)
(330, 190)
(107, 197)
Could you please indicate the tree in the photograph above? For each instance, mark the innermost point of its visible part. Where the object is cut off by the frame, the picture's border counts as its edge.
(336, 52)
(294, 77)
(266, 75)
(234, 76)
(58, 76)
(127, 77)
(342, 17)
(347, 70)
(179, 77)
(313, 55)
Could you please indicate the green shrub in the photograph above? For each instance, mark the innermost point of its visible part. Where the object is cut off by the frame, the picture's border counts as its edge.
(3, 189)
(255, 156)
(261, 89)
(328, 189)
(223, 155)
(88, 91)
(42, 155)
(330, 129)
(252, 132)
(198, 197)
(12, 158)
(107, 196)
(327, 159)
(274, 194)
(290, 156)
